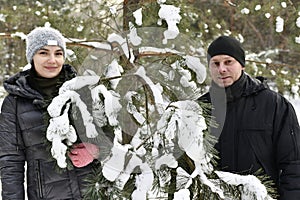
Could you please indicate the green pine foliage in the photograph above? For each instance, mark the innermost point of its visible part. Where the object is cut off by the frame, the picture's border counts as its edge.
(201, 22)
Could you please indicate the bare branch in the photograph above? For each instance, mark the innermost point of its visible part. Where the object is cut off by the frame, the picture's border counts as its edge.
(274, 65)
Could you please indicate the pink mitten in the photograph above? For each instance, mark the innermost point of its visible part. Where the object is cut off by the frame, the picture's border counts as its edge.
(83, 154)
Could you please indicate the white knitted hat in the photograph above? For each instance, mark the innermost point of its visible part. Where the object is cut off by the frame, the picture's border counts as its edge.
(43, 36)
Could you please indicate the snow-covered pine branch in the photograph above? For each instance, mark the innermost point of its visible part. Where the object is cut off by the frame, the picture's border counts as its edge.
(184, 120)
(176, 123)
(59, 130)
(249, 185)
(111, 103)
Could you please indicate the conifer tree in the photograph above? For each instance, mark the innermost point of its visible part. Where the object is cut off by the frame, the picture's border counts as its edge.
(147, 95)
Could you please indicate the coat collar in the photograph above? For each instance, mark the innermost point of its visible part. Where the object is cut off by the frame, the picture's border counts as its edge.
(244, 86)
(18, 83)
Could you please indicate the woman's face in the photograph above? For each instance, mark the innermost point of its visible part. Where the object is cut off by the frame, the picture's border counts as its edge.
(225, 70)
(48, 61)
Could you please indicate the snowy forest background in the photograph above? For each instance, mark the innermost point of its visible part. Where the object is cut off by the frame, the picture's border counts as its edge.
(268, 29)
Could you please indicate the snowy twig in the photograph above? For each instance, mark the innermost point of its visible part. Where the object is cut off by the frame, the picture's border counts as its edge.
(252, 188)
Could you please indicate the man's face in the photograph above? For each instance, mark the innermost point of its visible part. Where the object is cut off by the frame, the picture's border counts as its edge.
(225, 70)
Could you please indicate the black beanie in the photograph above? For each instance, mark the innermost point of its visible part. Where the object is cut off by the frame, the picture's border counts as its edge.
(225, 45)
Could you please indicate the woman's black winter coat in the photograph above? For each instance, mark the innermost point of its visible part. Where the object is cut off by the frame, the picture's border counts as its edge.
(258, 129)
(22, 138)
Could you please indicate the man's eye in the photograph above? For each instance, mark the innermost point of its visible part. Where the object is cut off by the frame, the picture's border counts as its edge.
(59, 54)
(216, 64)
(228, 62)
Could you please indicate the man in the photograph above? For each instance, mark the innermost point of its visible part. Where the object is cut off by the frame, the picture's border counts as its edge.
(257, 128)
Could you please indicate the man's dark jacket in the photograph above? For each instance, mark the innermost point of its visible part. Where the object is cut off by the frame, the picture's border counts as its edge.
(22, 138)
(258, 129)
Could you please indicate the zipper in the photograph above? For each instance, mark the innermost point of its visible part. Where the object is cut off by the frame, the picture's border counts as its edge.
(39, 180)
(17, 123)
(295, 144)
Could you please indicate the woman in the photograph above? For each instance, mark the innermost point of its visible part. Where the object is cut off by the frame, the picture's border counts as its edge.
(23, 125)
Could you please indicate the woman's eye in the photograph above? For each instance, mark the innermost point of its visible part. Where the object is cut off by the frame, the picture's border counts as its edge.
(43, 53)
(59, 53)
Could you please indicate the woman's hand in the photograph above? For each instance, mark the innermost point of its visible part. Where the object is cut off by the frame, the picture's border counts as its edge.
(83, 154)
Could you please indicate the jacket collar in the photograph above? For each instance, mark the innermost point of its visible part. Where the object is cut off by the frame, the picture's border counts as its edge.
(244, 86)
(18, 83)
(235, 91)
